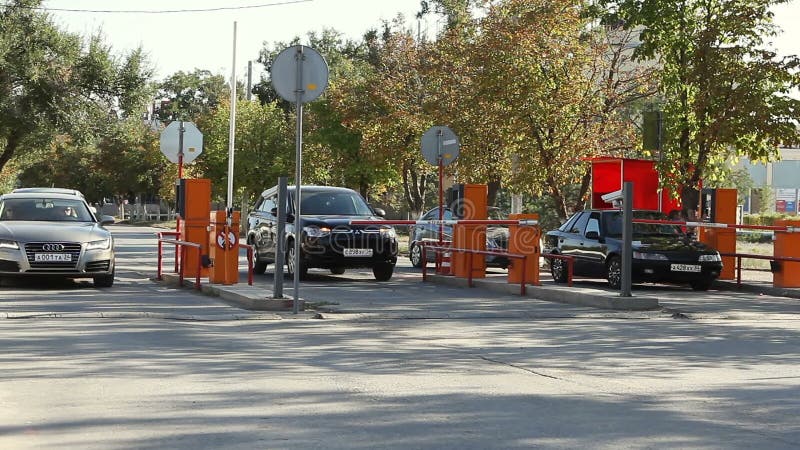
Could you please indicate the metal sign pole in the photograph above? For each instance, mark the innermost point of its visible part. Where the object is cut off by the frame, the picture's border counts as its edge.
(231, 136)
(627, 238)
(298, 226)
(280, 250)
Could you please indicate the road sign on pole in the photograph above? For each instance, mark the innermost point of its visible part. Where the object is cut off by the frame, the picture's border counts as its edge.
(299, 74)
(440, 142)
(179, 132)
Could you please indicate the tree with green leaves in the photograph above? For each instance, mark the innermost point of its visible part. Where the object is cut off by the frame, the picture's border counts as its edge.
(189, 95)
(51, 82)
(725, 92)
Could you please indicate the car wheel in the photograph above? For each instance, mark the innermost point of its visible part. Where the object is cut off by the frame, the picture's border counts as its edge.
(614, 273)
(383, 271)
(292, 262)
(259, 267)
(337, 270)
(415, 255)
(701, 285)
(105, 281)
(558, 268)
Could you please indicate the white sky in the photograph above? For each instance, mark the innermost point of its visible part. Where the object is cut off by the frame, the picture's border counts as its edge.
(204, 40)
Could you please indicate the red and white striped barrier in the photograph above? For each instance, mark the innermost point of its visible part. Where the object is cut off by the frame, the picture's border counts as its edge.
(719, 225)
(521, 222)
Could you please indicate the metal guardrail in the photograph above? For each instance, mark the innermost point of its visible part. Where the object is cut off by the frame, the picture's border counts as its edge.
(770, 258)
(570, 262)
(183, 245)
(250, 250)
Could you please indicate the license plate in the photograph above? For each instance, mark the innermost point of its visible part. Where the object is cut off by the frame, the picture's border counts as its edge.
(358, 252)
(52, 257)
(684, 268)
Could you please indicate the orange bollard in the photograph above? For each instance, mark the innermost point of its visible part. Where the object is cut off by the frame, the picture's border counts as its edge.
(224, 248)
(787, 244)
(194, 224)
(524, 240)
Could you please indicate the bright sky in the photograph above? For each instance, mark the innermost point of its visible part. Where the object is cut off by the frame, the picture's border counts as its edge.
(204, 40)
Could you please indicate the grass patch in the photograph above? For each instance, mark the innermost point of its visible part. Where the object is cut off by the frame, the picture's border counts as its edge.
(754, 248)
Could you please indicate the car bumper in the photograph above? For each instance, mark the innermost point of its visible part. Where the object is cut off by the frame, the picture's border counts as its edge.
(674, 272)
(84, 264)
(328, 253)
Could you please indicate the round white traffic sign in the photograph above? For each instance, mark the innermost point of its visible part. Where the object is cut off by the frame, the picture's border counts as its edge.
(299, 69)
(439, 142)
(192, 141)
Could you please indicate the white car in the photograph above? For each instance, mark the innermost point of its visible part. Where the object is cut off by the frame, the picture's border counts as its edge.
(54, 234)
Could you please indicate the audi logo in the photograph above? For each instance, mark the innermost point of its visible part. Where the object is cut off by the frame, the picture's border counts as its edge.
(53, 247)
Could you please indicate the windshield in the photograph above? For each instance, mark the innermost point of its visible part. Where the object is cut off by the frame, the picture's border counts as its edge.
(612, 222)
(44, 209)
(336, 203)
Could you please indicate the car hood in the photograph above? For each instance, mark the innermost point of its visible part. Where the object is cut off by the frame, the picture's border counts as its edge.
(47, 231)
(337, 221)
(666, 244)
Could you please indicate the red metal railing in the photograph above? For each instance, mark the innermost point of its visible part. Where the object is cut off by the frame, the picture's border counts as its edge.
(739, 257)
(570, 262)
(174, 234)
(183, 245)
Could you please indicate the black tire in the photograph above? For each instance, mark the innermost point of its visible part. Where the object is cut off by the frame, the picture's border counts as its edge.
(104, 281)
(259, 267)
(337, 270)
(415, 255)
(383, 271)
(558, 268)
(701, 285)
(614, 272)
(290, 262)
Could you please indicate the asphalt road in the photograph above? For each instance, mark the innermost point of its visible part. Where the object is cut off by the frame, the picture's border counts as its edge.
(403, 364)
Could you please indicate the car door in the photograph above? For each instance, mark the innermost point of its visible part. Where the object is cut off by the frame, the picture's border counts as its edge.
(593, 249)
(266, 226)
(571, 242)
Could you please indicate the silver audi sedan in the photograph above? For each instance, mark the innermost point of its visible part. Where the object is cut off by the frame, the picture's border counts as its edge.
(54, 234)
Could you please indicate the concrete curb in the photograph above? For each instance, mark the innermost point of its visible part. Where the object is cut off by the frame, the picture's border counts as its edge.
(240, 295)
(594, 298)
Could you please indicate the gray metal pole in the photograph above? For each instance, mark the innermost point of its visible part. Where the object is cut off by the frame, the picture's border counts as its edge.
(249, 80)
(298, 226)
(280, 250)
(627, 238)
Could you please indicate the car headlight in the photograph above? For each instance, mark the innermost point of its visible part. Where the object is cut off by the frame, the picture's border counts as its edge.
(104, 244)
(388, 232)
(316, 232)
(650, 256)
(710, 258)
(5, 243)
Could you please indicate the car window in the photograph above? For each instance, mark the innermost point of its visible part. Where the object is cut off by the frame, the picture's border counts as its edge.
(579, 225)
(267, 205)
(593, 224)
(568, 224)
(342, 203)
(434, 215)
(43, 209)
(612, 222)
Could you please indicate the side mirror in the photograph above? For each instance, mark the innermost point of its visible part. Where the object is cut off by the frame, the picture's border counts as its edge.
(592, 235)
(274, 211)
(106, 220)
(380, 212)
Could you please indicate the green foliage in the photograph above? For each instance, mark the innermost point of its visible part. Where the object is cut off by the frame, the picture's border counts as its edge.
(765, 219)
(191, 95)
(724, 90)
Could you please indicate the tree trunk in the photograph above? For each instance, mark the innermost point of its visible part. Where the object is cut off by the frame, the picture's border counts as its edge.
(12, 142)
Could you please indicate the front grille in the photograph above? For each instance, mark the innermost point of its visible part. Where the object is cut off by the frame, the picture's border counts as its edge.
(9, 266)
(71, 248)
(98, 266)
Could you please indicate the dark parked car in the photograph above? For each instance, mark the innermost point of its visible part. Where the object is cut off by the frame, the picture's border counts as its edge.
(55, 234)
(661, 252)
(328, 241)
(496, 237)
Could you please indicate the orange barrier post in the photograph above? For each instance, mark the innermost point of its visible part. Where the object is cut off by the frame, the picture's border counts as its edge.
(194, 226)
(524, 240)
(223, 248)
(787, 244)
(473, 206)
(723, 239)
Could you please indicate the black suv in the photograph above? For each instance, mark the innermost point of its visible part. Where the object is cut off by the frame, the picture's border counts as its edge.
(661, 252)
(328, 241)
